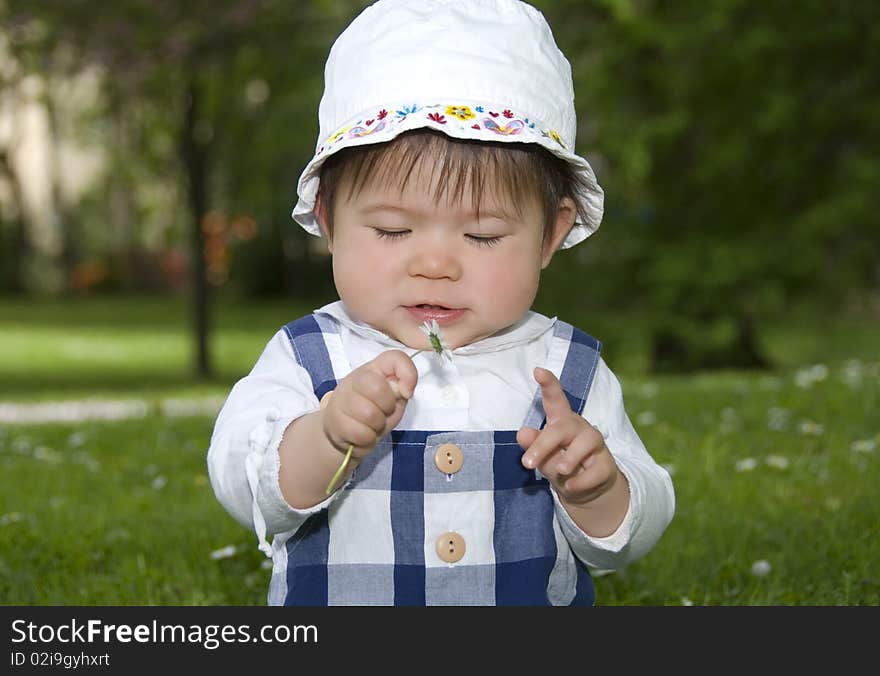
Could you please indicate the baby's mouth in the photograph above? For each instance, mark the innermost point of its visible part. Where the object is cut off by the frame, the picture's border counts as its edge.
(440, 313)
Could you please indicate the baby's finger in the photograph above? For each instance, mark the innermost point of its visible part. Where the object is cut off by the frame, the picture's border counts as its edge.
(396, 365)
(351, 432)
(373, 386)
(591, 482)
(546, 444)
(553, 396)
(368, 412)
(395, 388)
(526, 436)
(579, 453)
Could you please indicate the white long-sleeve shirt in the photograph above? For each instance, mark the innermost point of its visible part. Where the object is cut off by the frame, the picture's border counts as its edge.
(489, 385)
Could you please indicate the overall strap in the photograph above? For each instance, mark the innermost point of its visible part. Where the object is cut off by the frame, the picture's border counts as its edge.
(573, 358)
(317, 347)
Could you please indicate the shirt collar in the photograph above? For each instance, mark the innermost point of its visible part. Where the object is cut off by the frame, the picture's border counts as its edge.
(531, 326)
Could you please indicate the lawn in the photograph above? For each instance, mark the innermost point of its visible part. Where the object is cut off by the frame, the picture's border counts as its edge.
(775, 472)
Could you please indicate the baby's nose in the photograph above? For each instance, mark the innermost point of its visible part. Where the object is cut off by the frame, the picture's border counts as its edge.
(435, 263)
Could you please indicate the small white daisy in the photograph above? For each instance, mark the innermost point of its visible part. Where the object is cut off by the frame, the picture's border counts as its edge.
(646, 418)
(435, 335)
(761, 568)
(777, 461)
(746, 465)
(863, 446)
(224, 552)
(809, 428)
(809, 375)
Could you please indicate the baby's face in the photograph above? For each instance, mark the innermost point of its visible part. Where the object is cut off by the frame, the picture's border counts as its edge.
(401, 258)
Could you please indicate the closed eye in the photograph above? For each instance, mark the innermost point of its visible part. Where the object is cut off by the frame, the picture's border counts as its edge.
(381, 233)
(481, 240)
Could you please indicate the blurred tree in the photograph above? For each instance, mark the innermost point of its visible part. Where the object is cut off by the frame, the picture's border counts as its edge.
(737, 142)
(14, 244)
(186, 61)
(735, 139)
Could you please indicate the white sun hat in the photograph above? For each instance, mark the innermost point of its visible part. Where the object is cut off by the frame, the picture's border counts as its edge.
(487, 70)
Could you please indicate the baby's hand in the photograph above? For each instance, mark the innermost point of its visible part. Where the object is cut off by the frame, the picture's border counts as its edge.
(569, 451)
(369, 402)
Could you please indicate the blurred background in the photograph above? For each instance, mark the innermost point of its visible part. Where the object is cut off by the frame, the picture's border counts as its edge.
(149, 153)
(153, 148)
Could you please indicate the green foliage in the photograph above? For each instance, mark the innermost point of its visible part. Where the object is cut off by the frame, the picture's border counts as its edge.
(735, 140)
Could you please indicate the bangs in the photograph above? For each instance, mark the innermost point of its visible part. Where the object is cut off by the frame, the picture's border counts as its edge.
(515, 173)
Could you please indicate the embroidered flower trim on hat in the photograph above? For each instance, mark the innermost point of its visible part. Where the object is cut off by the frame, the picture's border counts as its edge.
(477, 122)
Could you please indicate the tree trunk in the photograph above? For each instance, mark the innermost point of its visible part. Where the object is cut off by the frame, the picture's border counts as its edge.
(195, 159)
(120, 201)
(15, 258)
(62, 217)
(692, 344)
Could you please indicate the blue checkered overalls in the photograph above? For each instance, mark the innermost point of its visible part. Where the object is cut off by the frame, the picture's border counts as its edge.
(519, 555)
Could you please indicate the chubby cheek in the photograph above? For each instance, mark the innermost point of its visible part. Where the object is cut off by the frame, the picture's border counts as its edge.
(507, 290)
(361, 274)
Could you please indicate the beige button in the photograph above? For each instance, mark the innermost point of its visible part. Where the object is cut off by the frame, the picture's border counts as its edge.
(450, 547)
(448, 458)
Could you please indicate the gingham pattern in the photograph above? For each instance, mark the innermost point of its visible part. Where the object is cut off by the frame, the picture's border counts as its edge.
(375, 544)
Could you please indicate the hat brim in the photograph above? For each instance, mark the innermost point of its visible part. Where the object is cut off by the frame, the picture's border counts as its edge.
(472, 121)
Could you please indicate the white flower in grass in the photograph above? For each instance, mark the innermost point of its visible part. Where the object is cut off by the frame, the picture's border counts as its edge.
(47, 454)
(746, 465)
(435, 335)
(224, 552)
(11, 517)
(812, 374)
(777, 461)
(778, 418)
(22, 445)
(159, 483)
(646, 418)
(852, 373)
(83, 458)
(685, 601)
(863, 446)
(761, 568)
(809, 428)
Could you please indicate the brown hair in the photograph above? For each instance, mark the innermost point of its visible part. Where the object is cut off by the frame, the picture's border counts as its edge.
(517, 170)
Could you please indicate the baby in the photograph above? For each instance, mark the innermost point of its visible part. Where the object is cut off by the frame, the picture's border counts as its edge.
(499, 467)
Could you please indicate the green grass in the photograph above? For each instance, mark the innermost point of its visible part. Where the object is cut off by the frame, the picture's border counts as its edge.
(131, 346)
(121, 513)
(809, 506)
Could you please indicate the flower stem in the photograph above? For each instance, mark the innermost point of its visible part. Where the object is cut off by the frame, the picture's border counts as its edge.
(341, 469)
